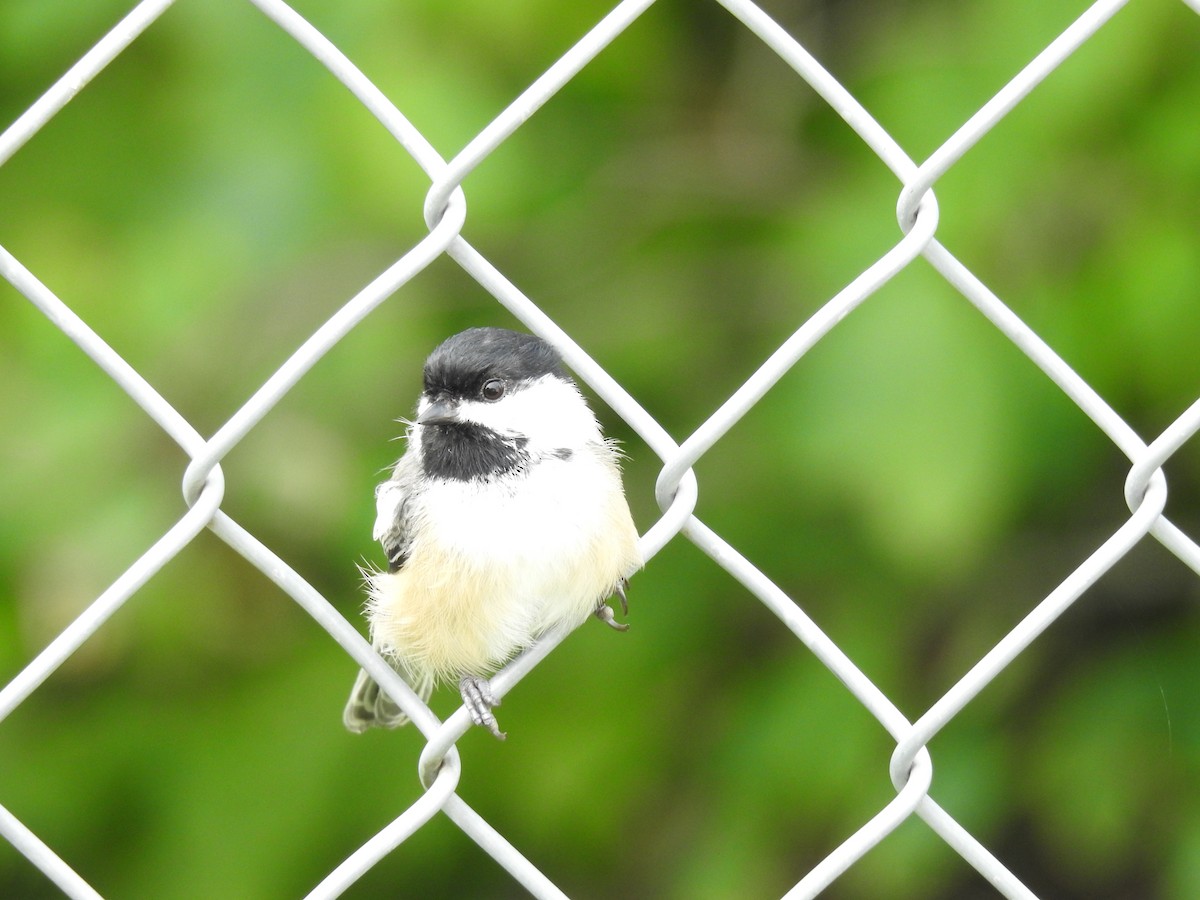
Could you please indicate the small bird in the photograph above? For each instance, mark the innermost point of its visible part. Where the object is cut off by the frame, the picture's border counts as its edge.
(505, 519)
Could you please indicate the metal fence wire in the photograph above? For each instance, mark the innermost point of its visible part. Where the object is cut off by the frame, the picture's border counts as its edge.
(440, 764)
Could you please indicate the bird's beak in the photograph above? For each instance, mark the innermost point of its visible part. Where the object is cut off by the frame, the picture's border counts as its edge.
(439, 412)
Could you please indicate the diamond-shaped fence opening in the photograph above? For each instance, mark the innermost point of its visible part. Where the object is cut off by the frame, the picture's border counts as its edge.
(954, 501)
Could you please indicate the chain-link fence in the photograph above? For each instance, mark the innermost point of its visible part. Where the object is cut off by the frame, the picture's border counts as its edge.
(912, 765)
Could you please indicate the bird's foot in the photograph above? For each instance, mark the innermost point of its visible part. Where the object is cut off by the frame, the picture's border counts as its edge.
(479, 700)
(605, 614)
(620, 592)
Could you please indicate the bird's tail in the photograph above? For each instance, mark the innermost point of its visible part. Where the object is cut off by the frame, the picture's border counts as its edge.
(370, 707)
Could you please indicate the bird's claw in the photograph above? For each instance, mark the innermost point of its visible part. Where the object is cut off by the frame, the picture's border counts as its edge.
(479, 700)
(620, 591)
(605, 614)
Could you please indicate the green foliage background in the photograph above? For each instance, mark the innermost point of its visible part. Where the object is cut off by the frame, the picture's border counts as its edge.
(682, 206)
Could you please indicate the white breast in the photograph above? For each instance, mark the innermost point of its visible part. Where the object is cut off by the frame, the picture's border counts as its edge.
(497, 564)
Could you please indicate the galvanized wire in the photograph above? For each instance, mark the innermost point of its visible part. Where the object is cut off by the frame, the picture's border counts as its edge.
(439, 767)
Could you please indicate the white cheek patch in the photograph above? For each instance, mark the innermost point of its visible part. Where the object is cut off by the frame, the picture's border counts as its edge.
(550, 413)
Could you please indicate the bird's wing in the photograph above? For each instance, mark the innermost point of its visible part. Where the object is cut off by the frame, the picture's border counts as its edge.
(389, 523)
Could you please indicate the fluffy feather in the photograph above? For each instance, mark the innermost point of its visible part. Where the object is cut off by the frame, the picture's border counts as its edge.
(483, 564)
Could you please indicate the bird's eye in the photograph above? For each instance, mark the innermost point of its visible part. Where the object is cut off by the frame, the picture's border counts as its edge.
(493, 390)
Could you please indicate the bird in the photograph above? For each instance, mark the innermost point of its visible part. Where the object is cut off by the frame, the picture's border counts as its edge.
(505, 519)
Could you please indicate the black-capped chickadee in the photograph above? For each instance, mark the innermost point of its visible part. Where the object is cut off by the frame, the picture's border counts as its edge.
(504, 519)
